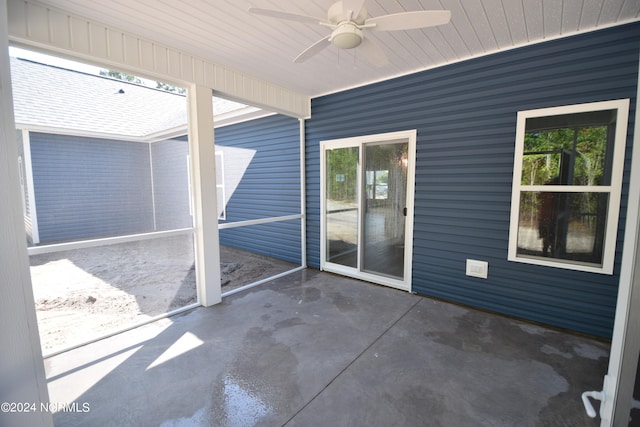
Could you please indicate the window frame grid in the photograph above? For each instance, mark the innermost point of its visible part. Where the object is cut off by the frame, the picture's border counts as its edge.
(614, 189)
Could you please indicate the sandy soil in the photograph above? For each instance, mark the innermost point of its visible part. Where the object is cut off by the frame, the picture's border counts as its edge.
(82, 294)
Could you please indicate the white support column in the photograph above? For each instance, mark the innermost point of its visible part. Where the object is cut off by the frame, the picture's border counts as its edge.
(625, 344)
(203, 180)
(303, 196)
(22, 375)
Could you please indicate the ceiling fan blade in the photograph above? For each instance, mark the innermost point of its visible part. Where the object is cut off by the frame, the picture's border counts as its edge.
(313, 49)
(409, 20)
(353, 5)
(373, 53)
(286, 15)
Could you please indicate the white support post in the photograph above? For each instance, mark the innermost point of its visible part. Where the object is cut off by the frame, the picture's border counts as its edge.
(22, 374)
(303, 196)
(203, 179)
(619, 382)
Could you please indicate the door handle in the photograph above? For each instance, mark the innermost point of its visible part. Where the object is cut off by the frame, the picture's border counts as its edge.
(404, 211)
(598, 395)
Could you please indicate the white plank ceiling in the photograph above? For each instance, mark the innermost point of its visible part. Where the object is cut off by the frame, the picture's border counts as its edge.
(224, 32)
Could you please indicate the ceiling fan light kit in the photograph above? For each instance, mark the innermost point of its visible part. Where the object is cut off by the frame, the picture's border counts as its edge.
(348, 19)
(346, 36)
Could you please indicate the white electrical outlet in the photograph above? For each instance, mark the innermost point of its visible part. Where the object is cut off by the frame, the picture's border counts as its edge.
(477, 268)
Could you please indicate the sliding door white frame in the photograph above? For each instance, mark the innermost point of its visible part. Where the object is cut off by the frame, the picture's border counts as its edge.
(408, 136)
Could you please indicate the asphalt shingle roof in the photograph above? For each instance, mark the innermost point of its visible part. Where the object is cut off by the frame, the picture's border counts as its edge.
(49, 97)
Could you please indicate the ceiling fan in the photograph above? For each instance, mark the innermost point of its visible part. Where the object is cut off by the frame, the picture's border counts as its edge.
(348, 21)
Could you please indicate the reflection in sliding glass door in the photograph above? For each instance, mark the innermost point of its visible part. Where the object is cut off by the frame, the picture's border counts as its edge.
(384, 203)
(342, 211)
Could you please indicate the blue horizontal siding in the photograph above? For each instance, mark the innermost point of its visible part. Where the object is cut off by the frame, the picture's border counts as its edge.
(277, 240)
(87, 187)
(269, 187)
(465, 116)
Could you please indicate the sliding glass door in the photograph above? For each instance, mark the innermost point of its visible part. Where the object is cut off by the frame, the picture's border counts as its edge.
(367, 207)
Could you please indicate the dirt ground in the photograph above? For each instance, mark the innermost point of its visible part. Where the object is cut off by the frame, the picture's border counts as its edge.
(85, 293)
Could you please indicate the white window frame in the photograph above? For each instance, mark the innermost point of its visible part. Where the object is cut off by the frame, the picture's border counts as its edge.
(614, 190)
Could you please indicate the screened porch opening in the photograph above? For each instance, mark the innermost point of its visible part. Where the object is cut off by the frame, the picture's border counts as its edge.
(105, 169)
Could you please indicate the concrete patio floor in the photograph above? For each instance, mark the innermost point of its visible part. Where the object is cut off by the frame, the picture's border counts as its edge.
(314, 349)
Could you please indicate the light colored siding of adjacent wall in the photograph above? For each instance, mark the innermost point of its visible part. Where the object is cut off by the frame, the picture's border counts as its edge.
(89, 188)
(24, 187)
(171, 184)
(465, 115)
(269, 187)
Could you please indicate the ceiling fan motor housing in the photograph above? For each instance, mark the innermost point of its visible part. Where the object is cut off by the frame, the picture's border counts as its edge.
(346, 36)
(337, 14)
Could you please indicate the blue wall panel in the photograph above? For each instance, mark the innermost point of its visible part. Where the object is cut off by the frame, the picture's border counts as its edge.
(87, 187)
(269, 185)
(465, 116)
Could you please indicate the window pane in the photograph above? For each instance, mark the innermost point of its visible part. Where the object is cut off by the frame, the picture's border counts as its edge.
(566, 226)
(342, 212)
(383, 218)
(565, 150)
